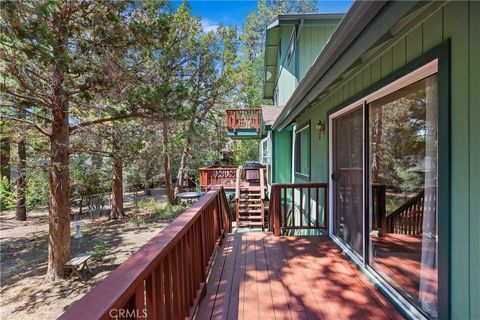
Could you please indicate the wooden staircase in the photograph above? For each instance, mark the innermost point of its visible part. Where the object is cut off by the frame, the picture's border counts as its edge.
(250, 202)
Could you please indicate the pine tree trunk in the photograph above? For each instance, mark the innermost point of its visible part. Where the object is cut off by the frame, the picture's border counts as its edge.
(117, 189)
(5, 158)
(97, 160)
(166, 163)
(59, 209)
(185, 155)
(148, 183)
(21, 210)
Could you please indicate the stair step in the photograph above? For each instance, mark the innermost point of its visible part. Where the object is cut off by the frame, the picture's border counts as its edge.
(246, 196)
(250, 200)
(250, 211)
(250, 205)
(250, 224)
(250, 218)
(250, 189)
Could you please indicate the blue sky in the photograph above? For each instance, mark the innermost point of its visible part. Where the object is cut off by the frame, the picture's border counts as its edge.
(234, 12)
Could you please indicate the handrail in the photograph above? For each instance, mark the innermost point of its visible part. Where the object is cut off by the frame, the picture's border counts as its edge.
(237, 194)
(282, 213)
(262, 195)
(247, 109)
(237, 184)
(262, 184)
(408, 218)
(166, 277)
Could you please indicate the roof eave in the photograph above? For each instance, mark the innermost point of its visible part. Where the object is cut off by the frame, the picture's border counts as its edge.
(342, 51)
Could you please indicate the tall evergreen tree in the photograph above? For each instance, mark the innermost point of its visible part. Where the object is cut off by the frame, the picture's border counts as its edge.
(58, 56)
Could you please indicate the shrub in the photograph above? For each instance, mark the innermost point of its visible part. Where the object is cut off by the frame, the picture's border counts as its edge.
(38, 188)
(99, 250)
(7, 194)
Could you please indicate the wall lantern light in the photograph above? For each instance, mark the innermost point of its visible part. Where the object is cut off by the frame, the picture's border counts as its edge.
(320, 128)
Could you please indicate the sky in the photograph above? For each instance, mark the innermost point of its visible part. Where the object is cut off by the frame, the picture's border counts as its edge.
(234, 12)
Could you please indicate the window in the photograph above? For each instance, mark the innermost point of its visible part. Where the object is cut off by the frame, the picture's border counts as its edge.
(292, 44)
(266, 151)
(302, 152)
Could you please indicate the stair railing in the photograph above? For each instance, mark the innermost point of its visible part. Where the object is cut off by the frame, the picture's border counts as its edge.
(237, 194)
(262, 195)
(408, 218)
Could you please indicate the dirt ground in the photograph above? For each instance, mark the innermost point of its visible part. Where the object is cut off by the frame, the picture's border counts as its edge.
(23, 258)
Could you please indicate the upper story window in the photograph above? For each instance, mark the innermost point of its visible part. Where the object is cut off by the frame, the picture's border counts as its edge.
(302, 152)
(292, 45)
(275, 97)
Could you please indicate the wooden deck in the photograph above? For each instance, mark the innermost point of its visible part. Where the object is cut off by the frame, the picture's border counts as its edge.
(260, 276)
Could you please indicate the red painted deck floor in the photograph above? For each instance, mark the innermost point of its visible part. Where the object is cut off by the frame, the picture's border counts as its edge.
(259, 276)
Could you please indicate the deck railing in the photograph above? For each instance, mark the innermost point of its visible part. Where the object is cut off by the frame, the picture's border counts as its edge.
(166, 278)
(224, 176)
(244, 119)
(408, 218)
(309, 200)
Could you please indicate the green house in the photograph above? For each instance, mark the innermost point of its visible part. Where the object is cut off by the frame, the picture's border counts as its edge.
(382, 105)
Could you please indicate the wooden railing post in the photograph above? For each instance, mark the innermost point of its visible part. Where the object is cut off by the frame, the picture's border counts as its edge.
(277, 214)
(381, 210)
(262, 196)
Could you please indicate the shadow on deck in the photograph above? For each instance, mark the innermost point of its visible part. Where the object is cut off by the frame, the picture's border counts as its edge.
(258, 276)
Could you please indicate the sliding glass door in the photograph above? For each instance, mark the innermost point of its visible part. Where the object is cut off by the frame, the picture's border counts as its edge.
(347, 178)
(384, 180)
(403, 178)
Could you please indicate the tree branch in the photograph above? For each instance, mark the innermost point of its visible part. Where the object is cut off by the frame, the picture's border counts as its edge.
(29, 112)
(29, 99)
(95, 152)
(33, 124)
(98, 121)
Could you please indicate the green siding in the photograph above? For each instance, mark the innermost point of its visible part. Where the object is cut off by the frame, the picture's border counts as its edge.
(313, 39)
(287, 80)
(455, 27)
(459, 22)
(474, 152)
(282, 157)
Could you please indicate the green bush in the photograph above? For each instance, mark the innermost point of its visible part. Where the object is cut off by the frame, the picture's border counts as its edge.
(159, 211)
(99, 250)
(7, 194)
(150, 205)
(38, 188)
